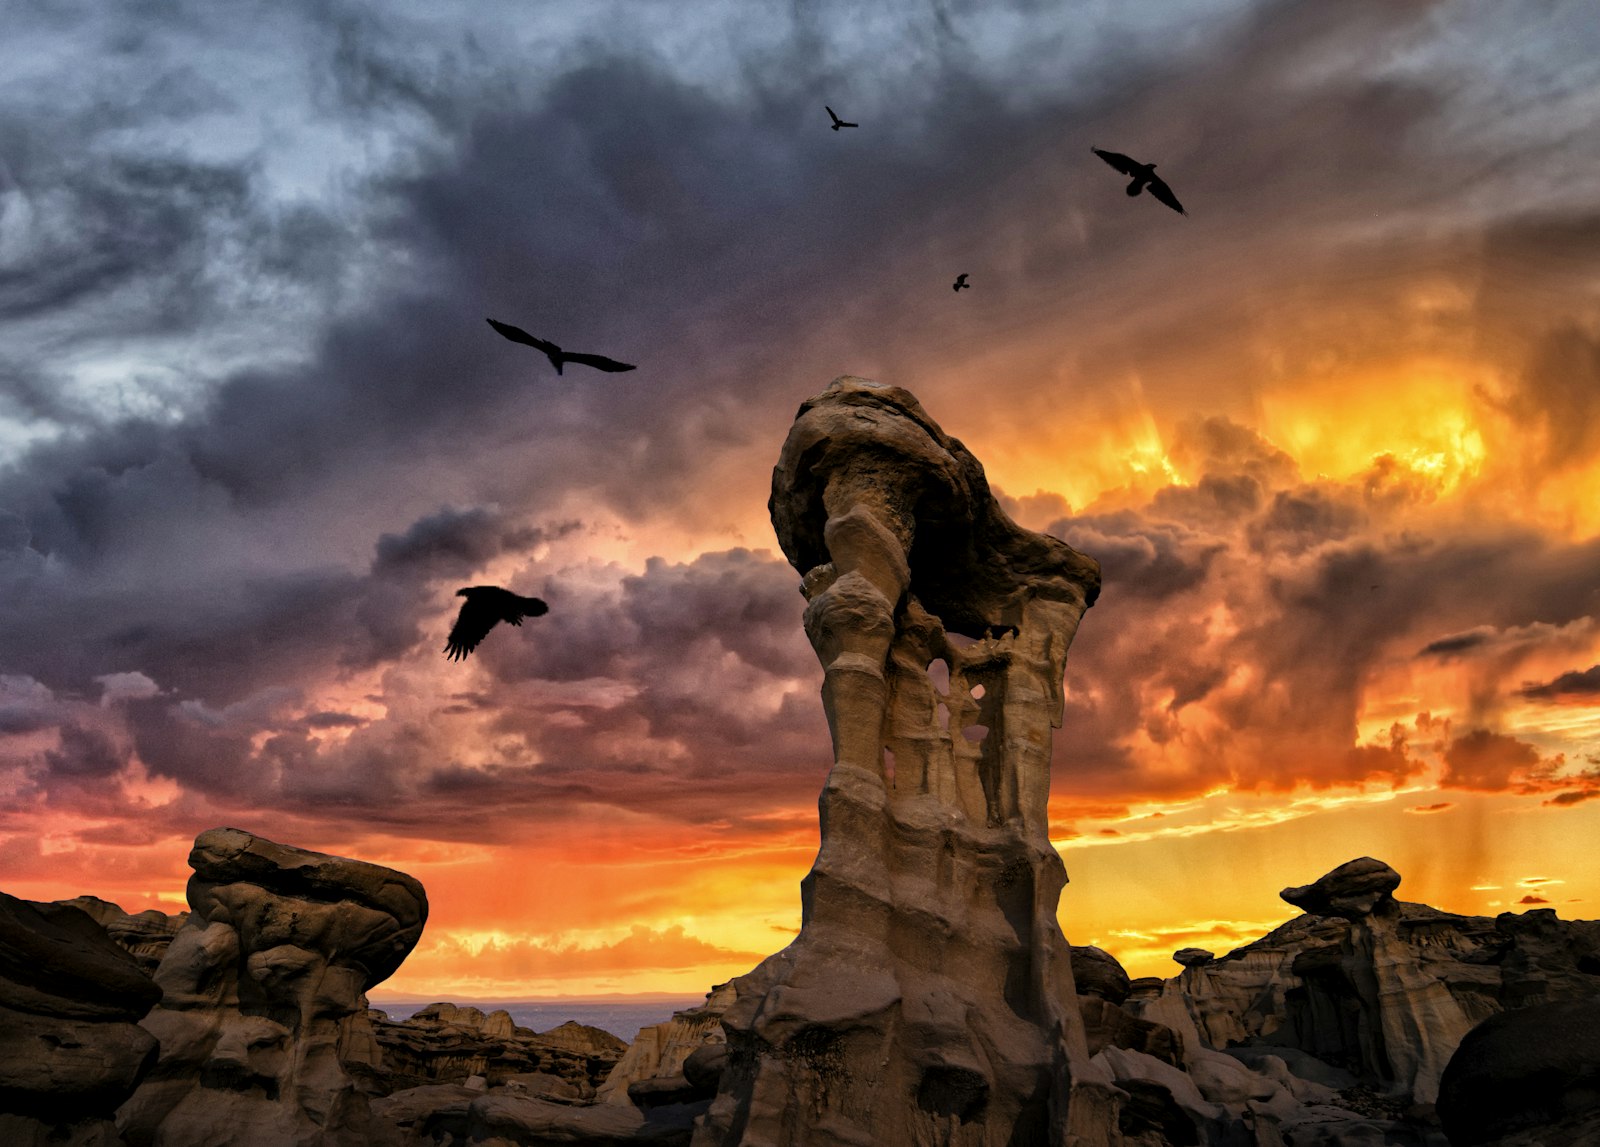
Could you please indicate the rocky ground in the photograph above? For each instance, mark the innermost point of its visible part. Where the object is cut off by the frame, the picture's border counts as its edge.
(1366, 1020)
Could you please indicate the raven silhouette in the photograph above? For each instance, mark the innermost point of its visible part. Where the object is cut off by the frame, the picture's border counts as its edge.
(558, 357)
(1144, 177)
(837, 122)
(961, 283)
(486, 606)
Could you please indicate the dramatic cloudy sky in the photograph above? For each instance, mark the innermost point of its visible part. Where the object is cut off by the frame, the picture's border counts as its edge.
(1332, 437)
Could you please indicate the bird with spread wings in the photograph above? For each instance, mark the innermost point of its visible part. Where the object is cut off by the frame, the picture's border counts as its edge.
(837, 122)
(558, 357)
(486, 606)
(1144, 178)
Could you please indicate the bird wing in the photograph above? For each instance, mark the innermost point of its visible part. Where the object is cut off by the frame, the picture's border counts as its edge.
(473, 623)
(1122, 163)
(1164, 193)
(832, 114)
(599, 362)
(518, 335)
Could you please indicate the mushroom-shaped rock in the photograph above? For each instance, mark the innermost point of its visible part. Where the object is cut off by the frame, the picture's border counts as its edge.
(264, 1026)
(930, 987)
(1193, 957)
(1356, 889)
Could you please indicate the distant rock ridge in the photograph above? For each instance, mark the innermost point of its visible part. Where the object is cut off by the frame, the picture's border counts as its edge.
(1370, 997)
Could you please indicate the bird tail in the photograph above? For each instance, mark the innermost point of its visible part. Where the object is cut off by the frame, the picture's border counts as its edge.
(1136, 186)
(557, 361)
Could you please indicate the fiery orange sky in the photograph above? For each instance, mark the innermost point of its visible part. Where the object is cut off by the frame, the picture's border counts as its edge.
(1332, 438)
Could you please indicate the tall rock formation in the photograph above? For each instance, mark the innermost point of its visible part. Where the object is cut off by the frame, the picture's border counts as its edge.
(928, 997)
(264, 1028)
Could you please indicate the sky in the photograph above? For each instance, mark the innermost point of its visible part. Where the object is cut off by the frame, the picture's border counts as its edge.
(1332, 438)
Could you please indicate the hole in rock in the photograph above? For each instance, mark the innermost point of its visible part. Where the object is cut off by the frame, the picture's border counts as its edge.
(944, 717)
(975, 733)
(978, 692)
(888, 767)
(960, 640)
(939, 674)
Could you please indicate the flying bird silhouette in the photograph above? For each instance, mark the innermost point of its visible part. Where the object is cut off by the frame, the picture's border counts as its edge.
(486, 606)
(961, 283)
(837, 122)
(558, 357)
(1144, 178)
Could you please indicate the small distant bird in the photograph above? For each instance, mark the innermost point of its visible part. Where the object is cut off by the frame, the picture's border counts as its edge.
(485, 607)
(961, 283)
(1144, 176)
(837, 122)
(558, 357)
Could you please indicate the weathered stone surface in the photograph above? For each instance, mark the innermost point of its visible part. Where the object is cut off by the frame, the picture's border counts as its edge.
(1193, 957)
(928, 997)
(515, 1119)
(444, 1043)
(144, 935)
(264, 1028)
(1522, 1071)
(71, 1049)
(661, 1050)
(1096, 972)
(1357, 1011)
(1107, 1025)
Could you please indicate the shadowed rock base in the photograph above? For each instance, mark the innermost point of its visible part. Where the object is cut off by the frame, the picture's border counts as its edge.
(928, 998)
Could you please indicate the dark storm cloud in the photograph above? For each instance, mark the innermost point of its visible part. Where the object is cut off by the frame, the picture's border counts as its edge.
(1458, 642)
(721, 237)
(1576, 683)
(688, 707)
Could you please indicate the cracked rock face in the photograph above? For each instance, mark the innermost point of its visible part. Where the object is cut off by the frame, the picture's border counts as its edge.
(928, 997)
(264, 1029)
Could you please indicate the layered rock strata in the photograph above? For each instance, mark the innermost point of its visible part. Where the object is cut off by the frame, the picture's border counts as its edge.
(657, 1066)
(71, 1048)
(443, 1043)
(1375, 987)
(928, 997)
(263, 1024)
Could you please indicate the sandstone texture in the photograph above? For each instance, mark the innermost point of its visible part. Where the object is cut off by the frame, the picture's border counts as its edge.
(143, 935)
(264, 1028)
(71, 1048)
(1355, 1010)
(657, 1068)
(443, 1043)
(928, 997)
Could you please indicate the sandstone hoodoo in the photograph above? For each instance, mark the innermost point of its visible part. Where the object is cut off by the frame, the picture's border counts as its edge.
(928, 997)
(264, 1027)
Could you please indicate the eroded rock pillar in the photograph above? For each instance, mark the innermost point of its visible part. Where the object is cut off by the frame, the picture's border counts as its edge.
(928, 997)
